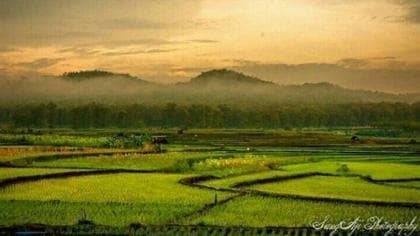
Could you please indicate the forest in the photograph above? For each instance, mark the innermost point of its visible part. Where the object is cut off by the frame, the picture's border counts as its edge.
(97, 115)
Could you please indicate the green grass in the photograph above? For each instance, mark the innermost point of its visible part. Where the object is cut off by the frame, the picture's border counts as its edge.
(6, 173)
(146, 188)
(260, 212)
(145, 198)
(413, 184)
(236, 155)
(230, 181)
(54, 140)
(68, 213)
(352, 188)
(171, 161)
(246, 163)
(30, 156)
(376, 170)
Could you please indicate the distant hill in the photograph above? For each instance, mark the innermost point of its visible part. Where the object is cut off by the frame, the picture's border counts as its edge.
(94, 74)
(228, 86)
(225, 77)
(211, 87)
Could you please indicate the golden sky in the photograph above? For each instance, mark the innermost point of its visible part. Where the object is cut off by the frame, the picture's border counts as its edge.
(170, 41)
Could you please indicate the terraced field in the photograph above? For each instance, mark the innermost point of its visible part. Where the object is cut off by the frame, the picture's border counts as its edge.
(260, 211)
(158, 197)
(204, 184)
(352, 188)
(10, 173)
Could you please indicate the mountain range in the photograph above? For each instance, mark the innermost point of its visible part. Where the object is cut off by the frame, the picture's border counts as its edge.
(210, 87)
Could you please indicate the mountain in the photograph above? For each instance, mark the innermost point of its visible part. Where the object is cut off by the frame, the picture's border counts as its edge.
(224, 77)
(211, 87)
(382, 79)
(98, 74)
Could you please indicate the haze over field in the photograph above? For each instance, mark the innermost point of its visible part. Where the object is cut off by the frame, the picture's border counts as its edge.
(370, 45)
(209, 117)
(210, 87)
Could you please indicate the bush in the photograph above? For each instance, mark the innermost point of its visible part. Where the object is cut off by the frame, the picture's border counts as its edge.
(343, 169)
(151, 148)
(128, 141)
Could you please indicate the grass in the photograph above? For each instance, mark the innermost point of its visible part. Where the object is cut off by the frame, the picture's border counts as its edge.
(246, 163)
(171, 161)
(230, 181)
(54, 140)
(377, 170)
(143, 198)
(145, 188)
(262, 211)
(13, 154)
(412, 184)
(236, 156)
(68, 213)
(351, 188)
(6, 173)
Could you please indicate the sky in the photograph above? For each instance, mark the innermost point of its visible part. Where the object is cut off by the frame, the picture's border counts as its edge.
(171, 41)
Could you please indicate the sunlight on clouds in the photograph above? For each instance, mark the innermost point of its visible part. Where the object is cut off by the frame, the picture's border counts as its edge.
(135, 36)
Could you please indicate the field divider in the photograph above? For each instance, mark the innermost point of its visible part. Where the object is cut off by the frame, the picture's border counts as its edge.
(193, 182)
(41, 158)
(240, 187)
(332, 200)
(390, 180)
(280, 178)
(24, 179)
(207, 207)
(170, 229)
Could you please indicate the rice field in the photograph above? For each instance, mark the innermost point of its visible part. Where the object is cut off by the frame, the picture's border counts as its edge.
(146, 188)
(214, 178)
(229, 182)
(378, 170)
(265, 211)
(69, 213)
(352, 188)
(164, 161)
(8, 173)
(15, 154)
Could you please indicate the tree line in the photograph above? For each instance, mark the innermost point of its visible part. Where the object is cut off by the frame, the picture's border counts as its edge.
(95, 115)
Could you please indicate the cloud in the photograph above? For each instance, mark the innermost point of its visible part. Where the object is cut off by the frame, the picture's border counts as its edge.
(8, 49)
(80, 51)
(124, 23)
(148, 42)
(413, 15)
(135, 42)
(242, 62)
(39, 63)
(157, 50)
(190, 70)
(203, 41)
(40, 23)
(353, 63)
(149, 51)
(413, 10)
(370, 74)
(381, 58)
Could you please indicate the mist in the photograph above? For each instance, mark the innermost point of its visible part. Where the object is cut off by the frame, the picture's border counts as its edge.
(212, 87)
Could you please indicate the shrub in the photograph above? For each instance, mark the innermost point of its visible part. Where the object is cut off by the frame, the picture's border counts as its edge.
(128, 141)
(343, 169)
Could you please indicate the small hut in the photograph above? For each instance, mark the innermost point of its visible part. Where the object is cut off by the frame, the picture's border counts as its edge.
(180, 131)
(159, 140)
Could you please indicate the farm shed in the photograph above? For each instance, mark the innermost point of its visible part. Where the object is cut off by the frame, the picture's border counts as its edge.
(159, 140)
